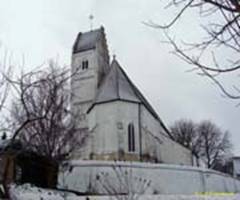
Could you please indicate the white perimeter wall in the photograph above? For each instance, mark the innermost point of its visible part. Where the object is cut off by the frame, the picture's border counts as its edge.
(165, 179)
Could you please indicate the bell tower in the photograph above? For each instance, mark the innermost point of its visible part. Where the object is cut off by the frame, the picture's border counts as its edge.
(90, 63)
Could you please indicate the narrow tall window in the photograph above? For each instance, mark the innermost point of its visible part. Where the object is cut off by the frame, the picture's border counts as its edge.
(85, 64)
(131, 138)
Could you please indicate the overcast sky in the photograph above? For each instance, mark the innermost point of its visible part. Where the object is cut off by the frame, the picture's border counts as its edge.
(42, 29)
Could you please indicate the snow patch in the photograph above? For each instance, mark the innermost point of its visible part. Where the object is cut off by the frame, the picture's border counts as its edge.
(29, 192)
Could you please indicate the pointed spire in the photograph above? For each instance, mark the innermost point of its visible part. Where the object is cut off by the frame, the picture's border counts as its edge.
(87, 40)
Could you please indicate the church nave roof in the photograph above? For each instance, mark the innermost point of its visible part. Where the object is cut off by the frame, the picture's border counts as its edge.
(118, 86)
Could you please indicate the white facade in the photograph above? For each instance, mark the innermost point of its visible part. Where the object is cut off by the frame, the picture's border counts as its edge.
(85, 82)
(122, 124)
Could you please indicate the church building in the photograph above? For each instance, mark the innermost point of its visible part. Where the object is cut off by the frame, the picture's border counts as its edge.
(121, 123)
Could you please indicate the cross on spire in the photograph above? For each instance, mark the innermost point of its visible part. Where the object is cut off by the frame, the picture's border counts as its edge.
(114, 55)
(91, 17)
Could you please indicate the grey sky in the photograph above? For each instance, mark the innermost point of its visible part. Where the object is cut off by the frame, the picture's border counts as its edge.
(44, 29)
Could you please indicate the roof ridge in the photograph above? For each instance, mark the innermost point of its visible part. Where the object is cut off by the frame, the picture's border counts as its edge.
(129, 92)
(137, 91)
(148, 106)
(117, 79)
(103, 81)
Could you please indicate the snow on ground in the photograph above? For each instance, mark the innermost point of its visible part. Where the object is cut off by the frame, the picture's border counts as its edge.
(28, 192)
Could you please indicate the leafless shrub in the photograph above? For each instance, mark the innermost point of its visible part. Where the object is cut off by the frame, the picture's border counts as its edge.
(122, 184)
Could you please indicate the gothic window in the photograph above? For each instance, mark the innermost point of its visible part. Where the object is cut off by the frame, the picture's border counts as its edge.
(84, 64)
(131, 138)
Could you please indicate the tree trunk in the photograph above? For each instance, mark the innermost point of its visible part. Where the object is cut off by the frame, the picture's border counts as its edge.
(5, 178)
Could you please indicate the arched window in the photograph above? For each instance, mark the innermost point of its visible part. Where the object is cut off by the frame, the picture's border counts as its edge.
(131, 138)
(85, 64)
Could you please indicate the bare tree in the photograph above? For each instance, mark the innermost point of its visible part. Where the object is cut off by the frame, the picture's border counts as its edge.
(220, 21)
(6, 70)
(122, 184)
(45, 95)
(224, 165)
(205, 140)
(41, 118)
(216, 144)
(185, 133)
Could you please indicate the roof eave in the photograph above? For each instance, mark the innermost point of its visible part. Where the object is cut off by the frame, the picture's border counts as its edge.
(110, 101)
(83, 49)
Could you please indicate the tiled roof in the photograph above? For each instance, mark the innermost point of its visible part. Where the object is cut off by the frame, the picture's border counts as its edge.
(118, 86)
(86, 41)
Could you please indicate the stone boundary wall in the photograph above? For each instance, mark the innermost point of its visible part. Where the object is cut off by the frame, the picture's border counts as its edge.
(165, 179)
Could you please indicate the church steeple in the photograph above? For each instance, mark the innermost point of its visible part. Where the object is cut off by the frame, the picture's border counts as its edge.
(90, 63)
(88, 40)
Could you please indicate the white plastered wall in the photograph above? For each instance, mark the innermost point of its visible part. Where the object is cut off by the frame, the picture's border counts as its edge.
(110, 124)
(167, 150)
(165, 179)
(84, 82)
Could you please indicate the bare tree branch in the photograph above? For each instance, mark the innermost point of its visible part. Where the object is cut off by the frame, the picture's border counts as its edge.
(43, 111)
(222, 30)
(205, 140)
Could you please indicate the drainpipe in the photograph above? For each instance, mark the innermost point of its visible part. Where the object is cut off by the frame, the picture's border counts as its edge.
(140, 131)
